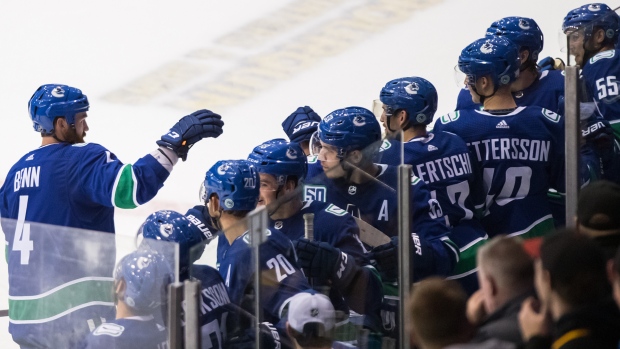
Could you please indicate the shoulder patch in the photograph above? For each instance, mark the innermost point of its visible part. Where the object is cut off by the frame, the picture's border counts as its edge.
(312, 159)
(335, 210)
(385, 145)
(109, 329)
(246, 237)
(452, 116)
(315, 193)
(603, 55)
(551, 115)
(414, 180)
(79, 145)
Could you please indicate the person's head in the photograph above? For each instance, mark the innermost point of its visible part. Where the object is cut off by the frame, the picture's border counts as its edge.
(613, 267)
(231, 189)
(505, 270)
(525, 33)
(347, 138)
(59, 111)
(590, 28)
(437, 314)
(598, 209)
(407, 102)
(311, 320)
(282, 167)
(172, 226)
(140, 281)
(300, 125)
(489, 64)
(570, 271)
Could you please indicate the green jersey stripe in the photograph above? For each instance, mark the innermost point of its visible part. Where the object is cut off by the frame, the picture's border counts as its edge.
(124, 190)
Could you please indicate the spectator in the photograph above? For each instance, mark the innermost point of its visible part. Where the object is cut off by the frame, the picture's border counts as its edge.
(614, 276)
(311, 320)
(598, 215)
(506, 277)
(575, 309)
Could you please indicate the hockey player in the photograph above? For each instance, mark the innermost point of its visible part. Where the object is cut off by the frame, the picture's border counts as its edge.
(140, 284)
(232, 190)
(441, 159)
(67, 182)
(517, 152)
(335, 256)
(531, 87)
(300, 125)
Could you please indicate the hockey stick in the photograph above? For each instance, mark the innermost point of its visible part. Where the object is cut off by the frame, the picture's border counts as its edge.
(4, 312)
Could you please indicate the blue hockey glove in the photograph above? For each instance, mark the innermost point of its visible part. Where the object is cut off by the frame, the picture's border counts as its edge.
(190, 129)
(598, 131)
(386, 260)
(549, 63)
(324, 262)
(301, 124)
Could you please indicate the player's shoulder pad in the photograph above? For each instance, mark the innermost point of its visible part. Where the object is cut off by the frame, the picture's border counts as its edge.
(385, 145)
(312, 159)
(335, 210)
(554, 117)
(451, 116)
(109, 329)
(603, 55)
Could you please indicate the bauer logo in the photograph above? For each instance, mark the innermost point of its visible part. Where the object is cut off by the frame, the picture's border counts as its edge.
(315, 192)
(487, 47)
(58, 92)
(524, 24)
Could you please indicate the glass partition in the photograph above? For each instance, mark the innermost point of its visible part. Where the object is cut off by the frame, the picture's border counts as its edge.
(65, 283)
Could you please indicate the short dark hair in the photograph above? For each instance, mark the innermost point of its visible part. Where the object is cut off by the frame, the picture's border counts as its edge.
(576, 267)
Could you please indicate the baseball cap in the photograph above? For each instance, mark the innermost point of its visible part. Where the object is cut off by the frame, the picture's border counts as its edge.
(599, 206)
(301, 124)
(308, 312)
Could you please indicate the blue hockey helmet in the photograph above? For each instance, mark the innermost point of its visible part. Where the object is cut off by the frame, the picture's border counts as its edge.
(281, 159)
(495, 56)
(417, 96)
(146, 274)
(301, 124)
(52, 101)
(351, 128)
(171, 226)
(236, 183)
(522, 31)
(589, 16)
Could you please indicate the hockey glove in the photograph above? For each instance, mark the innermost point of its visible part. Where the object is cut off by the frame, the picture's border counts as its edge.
(190, 129)
(386, 260)
(301, 124)
(597, 131)
(549, 63)
(324, 262)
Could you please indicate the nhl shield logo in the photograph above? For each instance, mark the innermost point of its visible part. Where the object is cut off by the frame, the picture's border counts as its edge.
(278, 225)
(420, 118)
(487, 47)
(352, 190)
(314, 312)
(58, 92)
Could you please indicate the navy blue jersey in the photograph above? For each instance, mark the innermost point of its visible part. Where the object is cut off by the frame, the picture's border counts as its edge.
(71, 186)
(314, 167)
(128, 333)
(281, 277)
(601, 74)
(442, 160)
(199, 216)
(518, 157)
(545, 92)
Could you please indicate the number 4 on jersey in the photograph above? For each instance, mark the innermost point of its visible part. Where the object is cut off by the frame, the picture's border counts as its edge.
(21, 238)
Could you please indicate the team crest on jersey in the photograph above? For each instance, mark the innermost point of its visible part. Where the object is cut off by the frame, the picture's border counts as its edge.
(450, 117)
(58, 92)
(335, 210)
(248, 239)
(359, 121)
(352, 190)
(109, 329)
(229, 203)
(551, 115)
(278, 225)
(432, 147)
(385, 145)
(487, 47)
(524, 24)
(412, 88)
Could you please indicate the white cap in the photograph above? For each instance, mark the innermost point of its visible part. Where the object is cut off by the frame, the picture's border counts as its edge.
(306, 308)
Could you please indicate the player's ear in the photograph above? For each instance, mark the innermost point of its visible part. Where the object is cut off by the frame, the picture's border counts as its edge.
(121, 286)
(524, 55)
(213, 204)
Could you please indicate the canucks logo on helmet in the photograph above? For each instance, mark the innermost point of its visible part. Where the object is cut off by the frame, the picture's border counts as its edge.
(486, 48)
(524, 24)
(412, 88)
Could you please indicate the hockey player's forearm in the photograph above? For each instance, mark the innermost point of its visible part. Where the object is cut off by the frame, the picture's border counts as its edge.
(138, 183)
(166, 157)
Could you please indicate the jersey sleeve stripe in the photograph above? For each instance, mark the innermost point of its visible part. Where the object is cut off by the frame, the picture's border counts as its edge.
(125, 187)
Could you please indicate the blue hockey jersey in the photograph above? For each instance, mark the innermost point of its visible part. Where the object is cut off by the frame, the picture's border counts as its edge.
(71, 186)
(128, 333)
(517, 157)
(442, 160)
(544, 92)
(281, 276)
(601, 74)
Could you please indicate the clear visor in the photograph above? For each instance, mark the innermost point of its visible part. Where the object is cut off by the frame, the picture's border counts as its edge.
(315, 144)
(460, 78)
(377, 108)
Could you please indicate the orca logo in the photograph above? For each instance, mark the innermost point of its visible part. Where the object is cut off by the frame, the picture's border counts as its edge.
(278, 225)
(222, 169)
(143, 262)
(165, 229)
(412, 88)
(359, 121)
(594, 7)
(58, 92)
(487, 47)
(291, 154)
(524, 24)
